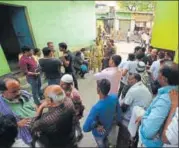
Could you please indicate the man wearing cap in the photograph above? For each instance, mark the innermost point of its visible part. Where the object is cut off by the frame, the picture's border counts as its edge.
(141, 69)
(67, 85)
(55, 128)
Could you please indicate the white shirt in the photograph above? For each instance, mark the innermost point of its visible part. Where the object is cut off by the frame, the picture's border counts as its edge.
(82, 56)
(172, 130)
(137, 95)
(154, 69)
(131, 67)
(121, 65)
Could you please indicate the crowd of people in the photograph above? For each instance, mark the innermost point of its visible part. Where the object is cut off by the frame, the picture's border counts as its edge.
(137, 107)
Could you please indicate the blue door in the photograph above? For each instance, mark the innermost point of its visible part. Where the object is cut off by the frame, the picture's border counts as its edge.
(20, 25)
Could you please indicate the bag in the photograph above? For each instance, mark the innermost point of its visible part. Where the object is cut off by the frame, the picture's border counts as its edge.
(84, 68)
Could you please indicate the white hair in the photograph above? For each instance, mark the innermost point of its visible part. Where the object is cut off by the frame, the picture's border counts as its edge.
(56, 98)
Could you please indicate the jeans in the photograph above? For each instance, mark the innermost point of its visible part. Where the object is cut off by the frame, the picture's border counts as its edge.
(102, 142)
(35, 83)
(53, 81)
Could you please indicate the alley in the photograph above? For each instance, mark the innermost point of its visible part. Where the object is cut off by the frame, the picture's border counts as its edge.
(88, 91)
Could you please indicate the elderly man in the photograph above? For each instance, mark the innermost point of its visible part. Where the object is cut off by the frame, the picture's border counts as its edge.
(71, 92)
(55, 127)
(18, 103)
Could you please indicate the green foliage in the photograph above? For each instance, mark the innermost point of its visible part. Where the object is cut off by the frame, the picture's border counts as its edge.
(143, 6)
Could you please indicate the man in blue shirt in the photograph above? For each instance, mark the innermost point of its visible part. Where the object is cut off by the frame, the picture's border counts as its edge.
(152, 122)
(102, 114)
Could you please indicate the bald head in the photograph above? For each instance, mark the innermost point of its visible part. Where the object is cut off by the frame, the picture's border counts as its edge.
(154, 52)
(168, 74)
(12, 84)
(10, 88)
(55, 93)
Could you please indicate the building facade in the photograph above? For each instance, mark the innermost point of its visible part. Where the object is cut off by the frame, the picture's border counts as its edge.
(125, 21)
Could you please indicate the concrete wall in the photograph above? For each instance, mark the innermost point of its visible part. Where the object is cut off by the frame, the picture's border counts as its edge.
(72, 22)
(69, 21)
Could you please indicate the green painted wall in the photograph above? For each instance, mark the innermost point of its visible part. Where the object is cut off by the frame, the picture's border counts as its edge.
(69, 21)
(165, 29)
(4, 68)
(72, 22)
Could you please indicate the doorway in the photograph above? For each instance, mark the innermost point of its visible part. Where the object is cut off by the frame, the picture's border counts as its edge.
(14, 33)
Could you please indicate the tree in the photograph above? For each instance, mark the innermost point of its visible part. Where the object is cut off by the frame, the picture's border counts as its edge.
(143, 6)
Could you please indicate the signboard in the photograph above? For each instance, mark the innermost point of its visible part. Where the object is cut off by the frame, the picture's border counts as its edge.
(165, 28)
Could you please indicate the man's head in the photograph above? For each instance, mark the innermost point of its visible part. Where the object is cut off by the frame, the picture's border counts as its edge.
(161, 55)
(168, 56)
(137, 49)
(27, 51)
(10, 88)
(133, 78)
(115, 60)
(143, 50)
(168, 74)
(54, 95)
(108, 43)
(139, 56)
(131, 57)
(112, 42)
(63, 47)
(47, 52)
(83, 50)
(50, 45)
(78, 54)
(154, 52)
(103, 87)
(140, 67)
(37, 52)
(8, 131)
(150, 49)
(66, 82)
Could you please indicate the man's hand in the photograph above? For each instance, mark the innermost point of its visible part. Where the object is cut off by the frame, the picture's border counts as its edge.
(24, 122)
(174, 98)
(101, 129)
(138, 120)
(44, 104)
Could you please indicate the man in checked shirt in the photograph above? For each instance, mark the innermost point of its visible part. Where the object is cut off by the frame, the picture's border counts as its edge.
(56, 127)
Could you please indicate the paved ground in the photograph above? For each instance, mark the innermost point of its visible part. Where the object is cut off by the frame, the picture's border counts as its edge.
(87, 89)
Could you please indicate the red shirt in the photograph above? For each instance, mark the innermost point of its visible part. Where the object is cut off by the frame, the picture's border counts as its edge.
(28, 64)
